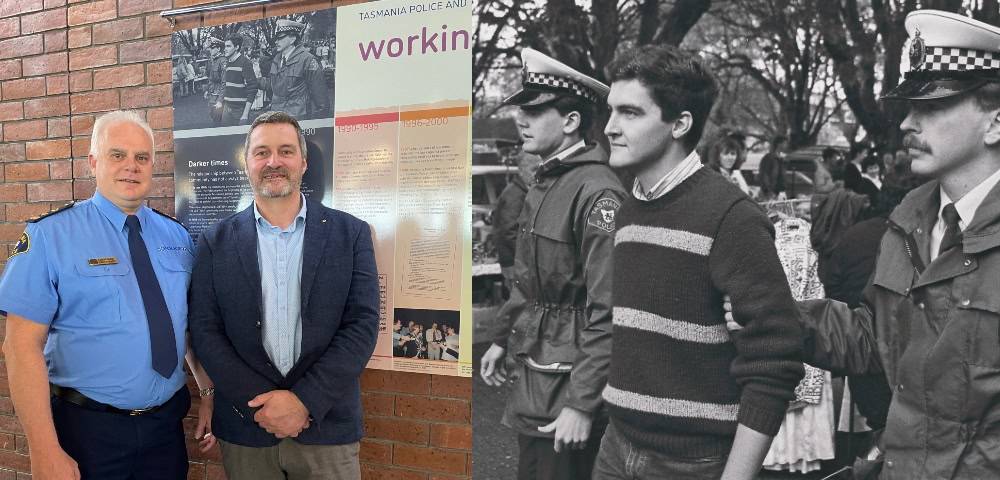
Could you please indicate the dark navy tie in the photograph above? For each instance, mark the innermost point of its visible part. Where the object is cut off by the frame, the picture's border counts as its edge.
(952, 235)
(161, 329)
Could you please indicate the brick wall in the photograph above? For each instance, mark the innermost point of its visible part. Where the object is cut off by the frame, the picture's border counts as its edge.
(62, 62)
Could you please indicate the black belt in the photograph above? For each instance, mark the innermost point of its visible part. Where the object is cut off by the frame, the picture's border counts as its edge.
(77, 398)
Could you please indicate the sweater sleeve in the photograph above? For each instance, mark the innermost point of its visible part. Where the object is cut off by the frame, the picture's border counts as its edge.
(744, 264)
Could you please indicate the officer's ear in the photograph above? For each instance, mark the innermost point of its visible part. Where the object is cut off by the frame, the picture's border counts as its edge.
(992, 137)
(92, 162)
(571, 122)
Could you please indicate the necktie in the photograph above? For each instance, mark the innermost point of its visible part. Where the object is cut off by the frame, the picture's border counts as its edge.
(952, 235)
(161, 329)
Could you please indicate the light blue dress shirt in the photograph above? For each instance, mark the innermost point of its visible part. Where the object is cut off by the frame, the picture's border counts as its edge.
(279, 257)
(76, 277)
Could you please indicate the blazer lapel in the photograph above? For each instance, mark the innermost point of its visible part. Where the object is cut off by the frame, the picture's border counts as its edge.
(246, 246)
(312, 251)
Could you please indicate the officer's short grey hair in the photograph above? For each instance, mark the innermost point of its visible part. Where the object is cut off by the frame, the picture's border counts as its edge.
(100, 135)
(279, 118)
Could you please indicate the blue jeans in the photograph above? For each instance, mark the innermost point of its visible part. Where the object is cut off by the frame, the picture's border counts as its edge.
(620, 459)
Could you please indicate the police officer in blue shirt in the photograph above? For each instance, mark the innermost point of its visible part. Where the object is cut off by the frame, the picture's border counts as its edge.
(96, 301)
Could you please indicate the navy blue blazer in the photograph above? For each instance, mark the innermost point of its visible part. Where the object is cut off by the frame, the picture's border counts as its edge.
(340, 304)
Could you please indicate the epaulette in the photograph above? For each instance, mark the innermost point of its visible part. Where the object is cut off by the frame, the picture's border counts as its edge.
(168, 216)
(53, 212)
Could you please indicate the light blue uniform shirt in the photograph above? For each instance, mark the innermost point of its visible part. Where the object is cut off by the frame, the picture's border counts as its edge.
(76, 277)
(279, 257)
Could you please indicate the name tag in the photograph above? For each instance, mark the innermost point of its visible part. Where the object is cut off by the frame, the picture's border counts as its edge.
(96, 262)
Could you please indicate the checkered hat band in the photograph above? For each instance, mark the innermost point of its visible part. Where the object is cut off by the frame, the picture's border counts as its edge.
(554, 82)
(959, 59)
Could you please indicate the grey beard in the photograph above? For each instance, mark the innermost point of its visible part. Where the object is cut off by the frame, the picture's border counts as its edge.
(267, 192)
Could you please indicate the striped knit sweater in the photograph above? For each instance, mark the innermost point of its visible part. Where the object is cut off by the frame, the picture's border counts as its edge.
(679, 382)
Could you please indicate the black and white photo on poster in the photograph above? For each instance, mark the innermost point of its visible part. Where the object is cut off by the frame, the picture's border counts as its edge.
(810, 71)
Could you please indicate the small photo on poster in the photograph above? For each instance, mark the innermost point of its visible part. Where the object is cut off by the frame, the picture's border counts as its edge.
(227, 75)
(425, 334)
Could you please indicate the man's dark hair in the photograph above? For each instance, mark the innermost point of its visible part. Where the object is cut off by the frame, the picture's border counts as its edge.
(678, 82)
(869, 161)
(236, 40)
(829, 153)
(280, 118)
(857, 148)
(586, 109)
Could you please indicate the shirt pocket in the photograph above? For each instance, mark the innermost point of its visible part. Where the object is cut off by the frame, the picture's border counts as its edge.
(178, 262)
(102, 287)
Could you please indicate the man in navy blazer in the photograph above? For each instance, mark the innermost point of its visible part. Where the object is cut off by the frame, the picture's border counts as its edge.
(283, 313)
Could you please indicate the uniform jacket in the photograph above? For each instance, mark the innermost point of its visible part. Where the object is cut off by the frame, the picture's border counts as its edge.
(216, 76)
(559, 309)
(933, 329)
(505, 216)
(340, 305)
(297, 85)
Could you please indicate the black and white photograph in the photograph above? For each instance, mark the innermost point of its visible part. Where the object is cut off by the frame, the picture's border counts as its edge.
(227, 75)
(425, 334)
(735, 239)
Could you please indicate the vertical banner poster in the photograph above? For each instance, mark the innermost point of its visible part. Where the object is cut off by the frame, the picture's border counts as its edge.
(391, 146)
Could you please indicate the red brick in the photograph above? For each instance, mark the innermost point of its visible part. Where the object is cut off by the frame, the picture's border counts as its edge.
(231, 16)
(93, 57)
(48, 149)
(163, 141)
(26, 172)
(10, 8)
(165, 205)
(9, 27)
(145, 96)
(117, 31)
(396, 430)
(21, 46)
(6, 405)
(92, 12)
(375, 472)
(45, 64)
(376, 452)
(46, 107)
(7, 474)
(82, 124)
(93, 102)
(26, 211)
(134, 7)
(196, 471)
(57, 84)
(31, 130)
(186, 22)
(190, 3)
(43, 21)
(124, 76)
(83, 189)
(58, 127)
(79, 37)
(159, 118)
(158, 72)
(11, 152)
(157, 26)
(214, 472)
(428, 458)
(437, 409)
(24, 88)
(55, 41)
(162, 187)
(146, 50)
(13, 460)
(61, 170)
(50, 191)
(81, 81)
(81, 146)
(11, 111)
(451, 436)
(21, 444)
(10, 69)
(377, 403)
(295, 6)
(54, 3)
(390, 381)
(7, 441)
(450, 386)
(12, 192)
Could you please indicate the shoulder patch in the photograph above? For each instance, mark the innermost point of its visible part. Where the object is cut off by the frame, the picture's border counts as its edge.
(22, 246)
(603, 214)
(53, 212)
(168, 216)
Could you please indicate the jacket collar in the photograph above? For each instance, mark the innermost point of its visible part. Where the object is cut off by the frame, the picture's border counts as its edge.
(592, 153)
(920, 210)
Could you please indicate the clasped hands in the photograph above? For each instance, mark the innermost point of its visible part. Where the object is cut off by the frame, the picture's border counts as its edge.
(281, 413)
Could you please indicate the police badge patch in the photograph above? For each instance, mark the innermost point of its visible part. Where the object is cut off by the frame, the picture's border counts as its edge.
(603, 214)
(22, 245)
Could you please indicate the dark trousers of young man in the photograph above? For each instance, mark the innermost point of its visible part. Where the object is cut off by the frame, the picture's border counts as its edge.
(539, 460)
(118, 446)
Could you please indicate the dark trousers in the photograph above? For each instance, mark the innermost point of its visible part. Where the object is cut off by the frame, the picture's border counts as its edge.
(620, 459)
(539, 460)
(114, 446)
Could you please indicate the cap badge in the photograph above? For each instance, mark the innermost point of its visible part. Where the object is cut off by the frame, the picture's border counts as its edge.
(917, 52)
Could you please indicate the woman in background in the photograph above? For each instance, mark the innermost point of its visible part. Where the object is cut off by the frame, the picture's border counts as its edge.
(726, 157)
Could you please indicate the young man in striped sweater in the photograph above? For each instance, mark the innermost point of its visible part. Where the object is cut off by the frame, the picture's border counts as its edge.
(686, 399)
